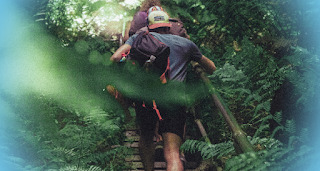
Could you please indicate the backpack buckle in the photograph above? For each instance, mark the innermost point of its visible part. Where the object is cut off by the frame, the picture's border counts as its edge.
(150, 60)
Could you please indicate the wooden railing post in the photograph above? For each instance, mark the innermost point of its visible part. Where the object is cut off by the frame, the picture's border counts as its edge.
(239, 135)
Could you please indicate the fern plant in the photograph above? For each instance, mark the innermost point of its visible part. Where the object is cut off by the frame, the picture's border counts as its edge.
(248, 82)
(70, 138)
(271, 153)
(274, 158)
(208, 150)
(87, 145)
(305, 77)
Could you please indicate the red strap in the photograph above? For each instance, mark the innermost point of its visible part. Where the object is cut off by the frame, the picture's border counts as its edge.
(157, 110)
(163, 76)
(116, 96)
(154, 108)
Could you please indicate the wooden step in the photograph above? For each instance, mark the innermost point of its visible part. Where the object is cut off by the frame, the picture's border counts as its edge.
(134, 160)
(162, 165)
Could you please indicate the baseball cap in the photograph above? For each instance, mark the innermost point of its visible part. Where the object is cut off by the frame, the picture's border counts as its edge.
(158, 19)
(154, 8)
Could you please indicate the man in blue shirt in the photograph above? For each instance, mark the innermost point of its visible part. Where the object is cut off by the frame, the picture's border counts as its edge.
(182, 51)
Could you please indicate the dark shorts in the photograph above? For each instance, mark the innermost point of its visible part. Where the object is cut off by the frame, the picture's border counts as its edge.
(173, 120)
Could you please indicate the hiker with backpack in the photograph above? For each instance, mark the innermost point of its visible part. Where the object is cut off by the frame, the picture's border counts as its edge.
(172, 120)
(139, 22)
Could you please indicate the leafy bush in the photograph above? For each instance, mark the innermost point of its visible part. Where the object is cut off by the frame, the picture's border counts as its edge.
(57, 137)
(271, 154)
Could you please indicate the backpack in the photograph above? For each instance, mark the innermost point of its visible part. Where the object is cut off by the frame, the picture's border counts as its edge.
(151, 54)
(138, 21)
(177, 28)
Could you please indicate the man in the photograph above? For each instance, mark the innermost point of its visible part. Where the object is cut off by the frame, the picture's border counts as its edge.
(182, 51)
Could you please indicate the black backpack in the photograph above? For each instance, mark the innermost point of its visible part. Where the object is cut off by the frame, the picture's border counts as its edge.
(151, 54)
(177, 28)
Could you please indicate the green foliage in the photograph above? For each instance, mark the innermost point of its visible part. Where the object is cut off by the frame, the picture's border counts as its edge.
(75, 168)
(246, 40)
(208, 150)
(248, 82)
(73, 20)
(271, 154)
(275, 158)
(305, 77)
(218, 23)
(59, 137)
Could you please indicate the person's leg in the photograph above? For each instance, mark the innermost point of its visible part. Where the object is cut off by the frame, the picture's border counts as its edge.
(172, 131)
(172, 143)
(147, 150)
(147, 122)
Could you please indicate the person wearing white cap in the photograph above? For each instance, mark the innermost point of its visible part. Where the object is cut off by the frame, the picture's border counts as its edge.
(182, 51)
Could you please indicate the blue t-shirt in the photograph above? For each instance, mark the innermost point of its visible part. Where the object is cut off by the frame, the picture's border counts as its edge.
(182, 51)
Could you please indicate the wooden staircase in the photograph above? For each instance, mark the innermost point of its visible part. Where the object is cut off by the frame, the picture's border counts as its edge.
(134, 160)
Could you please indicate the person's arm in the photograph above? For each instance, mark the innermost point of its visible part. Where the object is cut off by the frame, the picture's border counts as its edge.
(124, 49)
(207, 65)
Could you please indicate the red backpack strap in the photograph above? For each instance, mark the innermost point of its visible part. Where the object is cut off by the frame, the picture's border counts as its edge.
(157, 110)
(154, 108)
(166, 73)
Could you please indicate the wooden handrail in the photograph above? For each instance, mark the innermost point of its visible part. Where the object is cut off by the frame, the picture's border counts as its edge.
(240, 138)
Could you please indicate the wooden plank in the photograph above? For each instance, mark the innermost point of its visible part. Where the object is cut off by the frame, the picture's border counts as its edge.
(133, 145)
(157, 170)
(135, 138)
(132, 133)
(135, 151)
(163, 165)
(133, 158)
(132, 138)
(156, 165)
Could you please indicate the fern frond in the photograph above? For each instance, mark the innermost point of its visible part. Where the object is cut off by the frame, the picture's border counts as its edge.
(278, 117)
(265, 105)
(304, 135)
(76, 168)
(64, 151)
(262, 126)
(263, 120)
(69, 168)
(94, 168)
(242, 91)
(290, 126)
(251, 97)
(291, 139)
(275, 130)
(208, 150)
